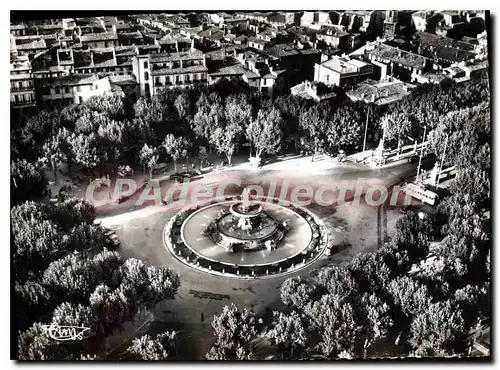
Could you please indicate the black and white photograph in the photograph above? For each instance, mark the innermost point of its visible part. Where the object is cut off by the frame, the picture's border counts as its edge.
(222, 185)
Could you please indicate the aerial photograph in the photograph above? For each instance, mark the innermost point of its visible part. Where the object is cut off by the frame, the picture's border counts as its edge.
(305, 185)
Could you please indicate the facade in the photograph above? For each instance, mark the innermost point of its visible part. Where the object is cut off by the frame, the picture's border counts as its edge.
(307, 90)
(341, 71)
(168, 70)
(401, 64)
(22, 89)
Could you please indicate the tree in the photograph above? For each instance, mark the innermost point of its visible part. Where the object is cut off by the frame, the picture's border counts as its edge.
(34, 299)
(182, 105)
(233, 331)
(238, 111)
(376, 319)
(36, 244)
(397, 125)
(148, 349)
(27, 181)
(72, 212)
(334, 319)
(296, 293)
(265, 133)
(110, 103)
(202, 155)
(338, 281)
(54, 151)
(412, 235)
(148, 157)
(225, 140)
(87, 152)
(410, 299)
(175, 148)
(288, 333)
(439, 331)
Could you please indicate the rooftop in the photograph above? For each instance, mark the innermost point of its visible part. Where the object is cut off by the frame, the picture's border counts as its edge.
(173, 71)
(396, 55)
(380, 93)
(103, 36)
(84, 79)
(185, 55)
(36, 44)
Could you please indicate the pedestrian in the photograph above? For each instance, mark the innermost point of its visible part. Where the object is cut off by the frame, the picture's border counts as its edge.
(202, 317)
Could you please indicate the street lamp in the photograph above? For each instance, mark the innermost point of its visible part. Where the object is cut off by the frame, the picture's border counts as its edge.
(366, 127)
(421, 154)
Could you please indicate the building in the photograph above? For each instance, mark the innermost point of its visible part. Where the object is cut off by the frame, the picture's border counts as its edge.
(396, 62)
(100, 40)
(315, 20)
(22, 88)
(311, 91)
(334, 38)
(380, 93)
(273, 82)
(341, 71)
(167, 70)
(298, 62)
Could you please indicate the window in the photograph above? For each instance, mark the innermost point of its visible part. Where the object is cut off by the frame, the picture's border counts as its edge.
(66, 89)
(146, 76)
(57, 90)
(146, 64)
(177, 79)
(327, 79)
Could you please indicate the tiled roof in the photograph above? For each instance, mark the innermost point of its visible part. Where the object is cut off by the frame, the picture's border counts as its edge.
(103, 36)
(130, 35)
(282, 50)
(429, 39)
(309, 51)
(173, 71)
(122, 79)
(385, 92)
(396, 55)
(235, 69)
(71, 80)
(186, 55)
(278, 18)
(37, 44)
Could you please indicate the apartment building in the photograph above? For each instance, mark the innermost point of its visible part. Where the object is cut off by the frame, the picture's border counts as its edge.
(22, 89)
(341, 71)
(167, 70)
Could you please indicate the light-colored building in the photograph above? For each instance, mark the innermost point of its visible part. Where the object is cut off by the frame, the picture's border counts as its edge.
(400, 64)
(307, 90)
(341, 71)
(22, 89)
(167, 70)
(315, 20)
(380, 93)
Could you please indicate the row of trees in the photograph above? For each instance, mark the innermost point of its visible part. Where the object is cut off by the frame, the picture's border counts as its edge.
(110, 130)
(424, 301)
(66, 273)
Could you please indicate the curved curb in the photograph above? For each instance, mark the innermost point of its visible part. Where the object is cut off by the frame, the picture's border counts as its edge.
(323, 238)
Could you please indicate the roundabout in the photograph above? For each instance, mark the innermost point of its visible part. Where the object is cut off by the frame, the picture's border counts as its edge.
(245, 239)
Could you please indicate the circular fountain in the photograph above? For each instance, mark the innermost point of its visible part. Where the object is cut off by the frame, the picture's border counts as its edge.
(244, 238)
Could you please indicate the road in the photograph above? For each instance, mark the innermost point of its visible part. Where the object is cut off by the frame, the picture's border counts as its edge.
(355, 228)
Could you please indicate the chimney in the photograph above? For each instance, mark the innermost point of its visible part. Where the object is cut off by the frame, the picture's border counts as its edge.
(91, 58)
(192, 44)
(373, 98)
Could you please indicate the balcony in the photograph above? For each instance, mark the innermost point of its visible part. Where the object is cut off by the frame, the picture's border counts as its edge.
(179, 83)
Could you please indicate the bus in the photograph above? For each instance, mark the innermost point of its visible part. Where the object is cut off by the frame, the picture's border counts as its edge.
(420, 193)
